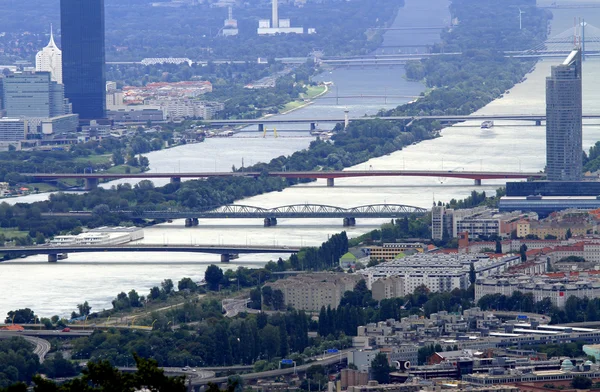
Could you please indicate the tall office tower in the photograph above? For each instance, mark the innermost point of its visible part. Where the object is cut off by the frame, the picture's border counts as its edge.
(49, 59)
(82, 36)
(32, 95)
(563, 120)
(275, 14)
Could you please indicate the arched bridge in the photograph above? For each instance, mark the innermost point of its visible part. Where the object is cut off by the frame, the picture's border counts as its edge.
(270, 215)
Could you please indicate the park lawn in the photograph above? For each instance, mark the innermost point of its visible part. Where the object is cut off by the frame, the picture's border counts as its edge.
(42, 186)
(291, 106)
(313, 91)
(95, 159)
(12, 232)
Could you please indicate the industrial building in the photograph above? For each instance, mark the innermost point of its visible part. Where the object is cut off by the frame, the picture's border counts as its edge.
(276, 25)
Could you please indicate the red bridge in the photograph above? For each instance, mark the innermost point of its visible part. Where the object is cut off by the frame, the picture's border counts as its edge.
(91, 179)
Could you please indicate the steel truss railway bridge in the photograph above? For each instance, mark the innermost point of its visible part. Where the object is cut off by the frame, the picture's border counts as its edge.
(270, 215)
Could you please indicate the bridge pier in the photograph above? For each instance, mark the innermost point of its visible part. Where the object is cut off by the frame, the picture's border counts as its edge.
(538, 123)
(330, 182)
(90, 184)
(269, 222)
(478, 182)
(175, 180)
(225, 257)
(188, 222)
(261, 128)
(52, 258)
(348, 222)
(195, 222)
(313, 126)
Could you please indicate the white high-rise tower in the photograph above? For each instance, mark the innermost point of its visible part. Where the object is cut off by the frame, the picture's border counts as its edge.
(49, 59)
(275, 15)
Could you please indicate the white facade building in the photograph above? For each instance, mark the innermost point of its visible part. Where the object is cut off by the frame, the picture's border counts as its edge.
(49, 59)
(558, 290)
(438, 272)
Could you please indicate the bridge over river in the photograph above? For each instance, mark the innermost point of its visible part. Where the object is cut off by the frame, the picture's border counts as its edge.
(269, 215)
(227, 252)
(92, 179)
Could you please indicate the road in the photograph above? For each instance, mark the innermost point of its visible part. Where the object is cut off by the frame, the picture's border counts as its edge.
(193, 373)
(328, 360)
(294, 175)
(42, 346)
(233, 306)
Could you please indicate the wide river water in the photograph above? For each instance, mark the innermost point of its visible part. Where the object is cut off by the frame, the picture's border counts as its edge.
(57, 288)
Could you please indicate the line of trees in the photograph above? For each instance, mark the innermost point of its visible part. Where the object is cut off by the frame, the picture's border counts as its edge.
(575, 309)
(215, 341)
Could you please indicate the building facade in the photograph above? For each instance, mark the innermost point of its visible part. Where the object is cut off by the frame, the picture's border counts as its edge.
(563, 120)
(438, 272)
(82, 29)
(13, 129)
(49, 59)
(557, 290)
(311, 292)
(32, 95)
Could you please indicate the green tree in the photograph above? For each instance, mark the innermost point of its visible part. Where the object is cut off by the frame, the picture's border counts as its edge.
(84, 309)
(267, 296)
(472, 274)
(581, 382)
(498, 246)
(20, 316)
(523, 252)
(213, 276)
(187, 284)
(278, 300)
(381, 369)
(167, 286)
(568, 234)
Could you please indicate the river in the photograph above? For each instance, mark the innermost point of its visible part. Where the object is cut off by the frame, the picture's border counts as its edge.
(97, 278)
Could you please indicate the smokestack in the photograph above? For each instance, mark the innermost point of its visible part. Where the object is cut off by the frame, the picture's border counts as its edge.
(275, 14)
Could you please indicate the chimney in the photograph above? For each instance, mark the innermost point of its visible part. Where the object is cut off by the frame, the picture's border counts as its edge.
(275, 15)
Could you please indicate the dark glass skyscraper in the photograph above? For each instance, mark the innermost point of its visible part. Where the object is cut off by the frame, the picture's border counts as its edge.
(82, 38)
(563, 120)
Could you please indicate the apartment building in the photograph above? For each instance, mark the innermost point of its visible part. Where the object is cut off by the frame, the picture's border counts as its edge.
(311, 292)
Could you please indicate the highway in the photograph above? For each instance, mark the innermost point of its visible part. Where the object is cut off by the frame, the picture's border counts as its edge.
(213, 249)
(298, 174)
(42, 347)
(193, 373)
(328, 360)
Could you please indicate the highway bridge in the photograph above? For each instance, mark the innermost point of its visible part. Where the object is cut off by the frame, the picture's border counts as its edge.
(339, 357)
(227, 252)
(92, 179)
(42, 346)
